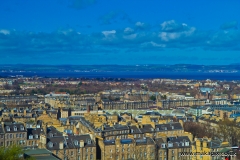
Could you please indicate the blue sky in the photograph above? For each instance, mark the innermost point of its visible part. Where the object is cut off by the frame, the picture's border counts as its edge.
(119, 32)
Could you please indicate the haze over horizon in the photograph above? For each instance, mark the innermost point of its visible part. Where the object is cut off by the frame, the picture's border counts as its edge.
(102, 32)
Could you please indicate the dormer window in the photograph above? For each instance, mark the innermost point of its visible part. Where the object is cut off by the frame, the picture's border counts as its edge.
(165, 128)
(89, 141)
(36, 136)
(38, 126)
(8, 128)
(182, 143)
(15, 128)
(50, 144)
(163, 146)
(30, 136)
(76, 142)
(186, 143)
(22, 128)
(170, 144)
(157, 129)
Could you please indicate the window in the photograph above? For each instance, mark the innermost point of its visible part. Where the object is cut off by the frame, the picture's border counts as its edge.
(30, 136)
(7, 136)
(76, 142)
(71, 153)
(11, 136)
(91, 156)
(86, 150)
(163, 145)
(17, 135)
(23, 135)
(50, 144)
(22, 128)
(20, 135)
(8, 128)
(79, 158)
(78, 150)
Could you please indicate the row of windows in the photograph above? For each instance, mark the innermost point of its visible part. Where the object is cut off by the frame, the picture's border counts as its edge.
(31, 136)
(78, 157)
(32, 143)
(20, 135)
(14, 128)
(140, 155)
(21, 142)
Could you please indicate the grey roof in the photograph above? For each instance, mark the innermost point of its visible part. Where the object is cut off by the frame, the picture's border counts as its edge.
(10, 127)
(34, 131)
(144, 141)
(169, 126)
(69, 142)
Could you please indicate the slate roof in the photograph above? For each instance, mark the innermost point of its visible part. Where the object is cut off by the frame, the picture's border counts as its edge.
(34, 132)
(69, 142)
(14, 127)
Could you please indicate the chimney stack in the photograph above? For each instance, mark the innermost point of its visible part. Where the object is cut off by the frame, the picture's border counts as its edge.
(81, 143)
(88, 109)
(60, 145)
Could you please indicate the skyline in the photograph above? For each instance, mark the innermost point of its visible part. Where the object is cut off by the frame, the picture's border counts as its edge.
(93, 32)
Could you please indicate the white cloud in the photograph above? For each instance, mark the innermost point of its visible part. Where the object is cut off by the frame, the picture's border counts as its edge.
(167, 36)
(128, 30)
(130, 37)
(139, 24)
(108, 33)
(153, 44)
(172, 26)
(5, 32)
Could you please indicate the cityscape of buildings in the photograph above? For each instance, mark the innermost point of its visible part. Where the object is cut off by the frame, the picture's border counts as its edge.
(127, 121)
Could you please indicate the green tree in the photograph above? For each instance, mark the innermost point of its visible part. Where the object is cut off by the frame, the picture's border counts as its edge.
(13, 152)
(153, 98)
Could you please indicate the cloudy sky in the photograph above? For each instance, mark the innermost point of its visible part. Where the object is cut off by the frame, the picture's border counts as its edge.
(119, 32)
